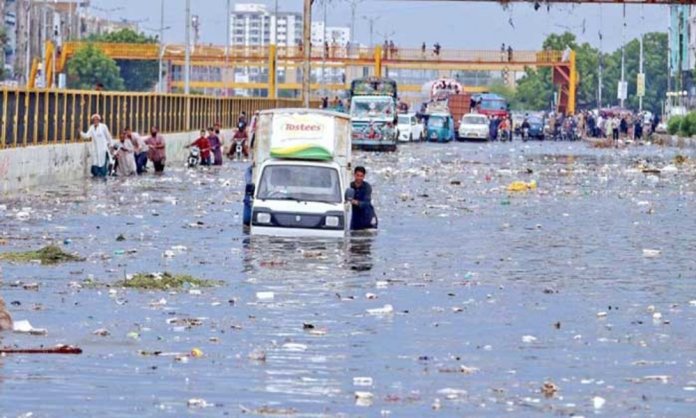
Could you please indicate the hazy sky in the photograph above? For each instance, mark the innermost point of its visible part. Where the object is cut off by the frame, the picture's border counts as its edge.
(462, 25)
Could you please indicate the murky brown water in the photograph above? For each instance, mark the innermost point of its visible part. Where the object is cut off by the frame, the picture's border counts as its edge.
(493, 293)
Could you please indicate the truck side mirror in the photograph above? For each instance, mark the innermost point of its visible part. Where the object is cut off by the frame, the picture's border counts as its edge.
(250, 189)
(350, 194)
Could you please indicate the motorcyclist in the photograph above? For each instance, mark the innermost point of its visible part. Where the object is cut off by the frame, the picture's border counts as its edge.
(240, 135)
(525, 127)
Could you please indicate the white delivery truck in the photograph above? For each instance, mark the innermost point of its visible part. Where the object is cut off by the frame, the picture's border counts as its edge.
(301, 170)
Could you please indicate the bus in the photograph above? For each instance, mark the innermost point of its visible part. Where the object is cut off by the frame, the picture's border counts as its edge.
(373, 113)
(491, 104)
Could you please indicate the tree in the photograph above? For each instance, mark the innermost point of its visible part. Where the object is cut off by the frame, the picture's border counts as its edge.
(137, 75)
(655, 56)
(90, 66)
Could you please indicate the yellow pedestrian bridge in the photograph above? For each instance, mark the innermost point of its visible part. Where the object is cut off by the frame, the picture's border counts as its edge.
(354, 61)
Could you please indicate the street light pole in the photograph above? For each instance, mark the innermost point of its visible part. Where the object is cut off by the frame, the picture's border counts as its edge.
(307, 66)
(187, 58)
(275, 36)
(623, 57)
(640, 61)
(601, 61)
(160, 87)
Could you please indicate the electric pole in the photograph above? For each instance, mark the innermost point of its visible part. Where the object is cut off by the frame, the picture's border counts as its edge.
(623, 60)
(307, 42)
(187, 58)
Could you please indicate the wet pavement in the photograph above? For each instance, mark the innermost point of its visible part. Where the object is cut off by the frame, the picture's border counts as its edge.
(467, 300)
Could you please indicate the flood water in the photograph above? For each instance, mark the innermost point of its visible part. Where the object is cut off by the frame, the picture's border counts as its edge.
(493, 293)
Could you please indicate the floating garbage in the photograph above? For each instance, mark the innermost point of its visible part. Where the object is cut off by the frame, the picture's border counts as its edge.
(385, 310)
(25, 327)
(48, 255)
(649, 253)
(598, 402)
(265, 295)
(164, 281)
(521, 186)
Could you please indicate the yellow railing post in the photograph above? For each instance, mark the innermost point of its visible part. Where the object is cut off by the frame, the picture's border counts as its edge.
(572, 87)
(272, 71)
(378, 61)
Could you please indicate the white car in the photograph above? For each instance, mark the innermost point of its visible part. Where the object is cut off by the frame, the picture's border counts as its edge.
(474, 126)
(410, 129)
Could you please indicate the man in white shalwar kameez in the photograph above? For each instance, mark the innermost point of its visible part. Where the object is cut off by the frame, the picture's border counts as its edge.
(101, 144)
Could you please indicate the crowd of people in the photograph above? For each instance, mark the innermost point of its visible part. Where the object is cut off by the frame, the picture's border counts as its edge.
(131, 153)
(614, 125)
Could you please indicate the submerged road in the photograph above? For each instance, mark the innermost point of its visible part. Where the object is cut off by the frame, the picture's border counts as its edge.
(466, 302)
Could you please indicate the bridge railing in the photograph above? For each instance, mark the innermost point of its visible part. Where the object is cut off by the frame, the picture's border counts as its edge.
(261, 53)
(39, 117)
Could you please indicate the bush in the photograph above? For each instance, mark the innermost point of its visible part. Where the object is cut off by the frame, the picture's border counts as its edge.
(690, 119)
(685, 127)
(674, 124)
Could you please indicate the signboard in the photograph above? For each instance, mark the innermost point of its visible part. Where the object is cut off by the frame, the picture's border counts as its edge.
(304, 137)
(640, 85)
(622, 90)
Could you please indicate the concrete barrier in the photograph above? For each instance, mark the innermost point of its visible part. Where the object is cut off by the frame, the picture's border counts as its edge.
(29, 167)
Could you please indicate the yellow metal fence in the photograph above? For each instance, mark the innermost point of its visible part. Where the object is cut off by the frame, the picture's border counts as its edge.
(40, 117)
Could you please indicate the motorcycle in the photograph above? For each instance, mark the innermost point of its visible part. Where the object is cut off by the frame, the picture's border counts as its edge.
(194, 157)
(238, 150)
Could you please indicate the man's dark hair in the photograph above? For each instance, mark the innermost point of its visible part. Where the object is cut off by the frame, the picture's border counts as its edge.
(360, 169)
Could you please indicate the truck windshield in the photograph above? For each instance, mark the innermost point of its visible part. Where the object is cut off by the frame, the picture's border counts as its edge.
(300, 182)
(493, 104)
(404, 120)
(381, 108)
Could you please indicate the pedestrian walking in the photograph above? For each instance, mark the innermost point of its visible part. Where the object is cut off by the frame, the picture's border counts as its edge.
(125, 157)
(157, 151)
(140, 150)
(215, 146)
(502, 52)
(101, 139)
(509, 53)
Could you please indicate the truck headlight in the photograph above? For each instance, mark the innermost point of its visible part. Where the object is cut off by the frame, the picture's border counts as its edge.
(332, 221)
(263, 218)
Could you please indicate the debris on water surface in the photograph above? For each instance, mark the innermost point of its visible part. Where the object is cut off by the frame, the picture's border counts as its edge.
(521, 186)
(362, 381)
(598, 402)
(265, 295)
(101, 332)
(650, 253)
(25, 327)
(363, 398)
(528, 339)
(59, 349)
(48, 255)
(164, 281)
(549, 389)
(120, 238)
(198, 403)
(385, 310)
(257, 355)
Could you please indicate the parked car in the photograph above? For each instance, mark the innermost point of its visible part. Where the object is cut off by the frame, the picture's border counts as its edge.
(410, 128)
(474, 126)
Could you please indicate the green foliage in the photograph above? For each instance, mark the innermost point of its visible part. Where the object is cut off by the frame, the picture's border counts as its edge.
(674, 124)
(687, 128)
(90, 66)
(137, 75)
(535, 89)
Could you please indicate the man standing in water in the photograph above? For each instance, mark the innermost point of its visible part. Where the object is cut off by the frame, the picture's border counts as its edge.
(157, 151)
(101, 142)
(364, 216)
